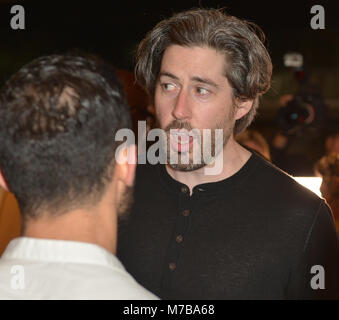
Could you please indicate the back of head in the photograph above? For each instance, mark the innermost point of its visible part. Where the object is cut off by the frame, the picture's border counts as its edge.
(248, 66)
(59, 115)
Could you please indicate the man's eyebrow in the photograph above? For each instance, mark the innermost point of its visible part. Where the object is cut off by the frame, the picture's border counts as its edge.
(168, 74)
(195, 78)
(206, 81)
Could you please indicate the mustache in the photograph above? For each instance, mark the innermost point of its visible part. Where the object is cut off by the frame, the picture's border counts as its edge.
(178, 125)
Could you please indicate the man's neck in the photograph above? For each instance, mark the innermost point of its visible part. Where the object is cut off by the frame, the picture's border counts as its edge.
(78, 225)
(234, 156)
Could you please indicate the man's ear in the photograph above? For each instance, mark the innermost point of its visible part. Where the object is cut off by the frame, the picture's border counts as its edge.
(126, 160)
(242, 108)
(3, 182)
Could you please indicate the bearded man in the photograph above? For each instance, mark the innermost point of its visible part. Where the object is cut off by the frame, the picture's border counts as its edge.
(248, 231)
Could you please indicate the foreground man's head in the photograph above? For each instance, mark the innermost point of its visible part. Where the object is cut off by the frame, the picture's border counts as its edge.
(58, 116)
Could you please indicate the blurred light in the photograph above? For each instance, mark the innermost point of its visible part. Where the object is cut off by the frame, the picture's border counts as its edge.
(311, 183)
(293, 59)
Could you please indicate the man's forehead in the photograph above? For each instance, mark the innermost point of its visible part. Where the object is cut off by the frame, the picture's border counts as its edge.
(200, 53)
(197, 63)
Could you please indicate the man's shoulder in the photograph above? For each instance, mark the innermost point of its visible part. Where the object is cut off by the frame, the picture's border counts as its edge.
(280, 188)
(276, 198)
(121, 286)
(70, 281)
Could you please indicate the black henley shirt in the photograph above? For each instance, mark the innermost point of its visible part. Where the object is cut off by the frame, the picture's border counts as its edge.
(254, 235)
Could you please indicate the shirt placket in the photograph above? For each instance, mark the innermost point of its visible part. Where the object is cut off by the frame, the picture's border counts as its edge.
(177, 240)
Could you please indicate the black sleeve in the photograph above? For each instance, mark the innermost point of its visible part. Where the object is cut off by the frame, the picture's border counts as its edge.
(321, 249)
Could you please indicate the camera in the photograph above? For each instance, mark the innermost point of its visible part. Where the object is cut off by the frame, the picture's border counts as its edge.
(307, 108)
(297, 113)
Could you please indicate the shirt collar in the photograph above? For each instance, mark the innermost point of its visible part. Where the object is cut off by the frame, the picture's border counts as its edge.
(231, 182)
(62, 251)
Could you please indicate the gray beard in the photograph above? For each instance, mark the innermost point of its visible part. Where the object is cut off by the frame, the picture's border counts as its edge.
(191, 166)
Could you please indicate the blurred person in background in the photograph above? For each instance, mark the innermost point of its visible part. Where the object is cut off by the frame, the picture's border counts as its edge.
(59, 115)
(255, 141)
(10, 218)
(332, 142)
(328, 168)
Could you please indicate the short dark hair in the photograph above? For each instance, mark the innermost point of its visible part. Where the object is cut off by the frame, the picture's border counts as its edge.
(248, 64)
(59, 115)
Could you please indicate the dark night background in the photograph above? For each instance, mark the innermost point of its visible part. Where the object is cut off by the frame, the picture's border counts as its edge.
(113, 29)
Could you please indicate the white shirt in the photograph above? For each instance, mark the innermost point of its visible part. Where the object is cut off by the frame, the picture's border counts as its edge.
(33, 268)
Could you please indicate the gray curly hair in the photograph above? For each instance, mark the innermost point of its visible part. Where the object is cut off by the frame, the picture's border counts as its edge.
(248, 66)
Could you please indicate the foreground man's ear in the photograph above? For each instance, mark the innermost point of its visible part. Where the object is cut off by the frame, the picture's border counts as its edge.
(242, 108)
(126, 161)
(3, 182)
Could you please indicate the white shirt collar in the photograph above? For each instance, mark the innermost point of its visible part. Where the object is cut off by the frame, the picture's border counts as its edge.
(49, 250)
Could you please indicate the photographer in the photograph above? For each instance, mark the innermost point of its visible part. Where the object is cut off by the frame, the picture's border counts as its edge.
(298, 142)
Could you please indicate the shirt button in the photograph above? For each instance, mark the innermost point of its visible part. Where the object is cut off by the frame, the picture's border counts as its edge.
(179, 238)
(186, 213)
(184, 189)
(172, 266)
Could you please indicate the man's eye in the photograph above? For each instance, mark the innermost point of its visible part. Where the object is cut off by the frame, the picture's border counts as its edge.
(202, 91)
(168, 86)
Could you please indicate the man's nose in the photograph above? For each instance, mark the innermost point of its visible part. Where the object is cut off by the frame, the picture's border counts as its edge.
(181, 110)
